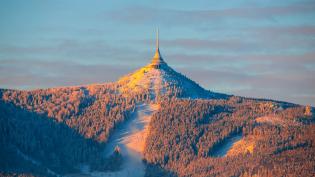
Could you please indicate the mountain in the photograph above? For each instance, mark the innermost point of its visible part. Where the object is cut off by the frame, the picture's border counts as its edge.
(158, 80)
(192, 131)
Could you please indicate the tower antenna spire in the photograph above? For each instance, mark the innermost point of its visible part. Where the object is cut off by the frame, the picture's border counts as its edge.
(157, 39)
(157, 60)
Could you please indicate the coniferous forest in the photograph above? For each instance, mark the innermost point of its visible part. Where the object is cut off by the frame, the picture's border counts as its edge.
(49, 131)
(186, 133)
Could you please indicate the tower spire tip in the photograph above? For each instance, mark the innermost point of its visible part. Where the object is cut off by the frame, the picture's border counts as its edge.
(157, 39)
(157, 60)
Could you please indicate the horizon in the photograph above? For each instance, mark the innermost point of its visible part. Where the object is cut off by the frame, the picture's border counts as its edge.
(262, 49)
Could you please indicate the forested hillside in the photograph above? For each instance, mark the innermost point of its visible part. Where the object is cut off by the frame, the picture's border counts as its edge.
(92, 111)
(30, 142)
(186, 133)
(57, 130)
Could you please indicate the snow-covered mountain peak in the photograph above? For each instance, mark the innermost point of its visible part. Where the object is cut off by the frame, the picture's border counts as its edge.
(158, 79)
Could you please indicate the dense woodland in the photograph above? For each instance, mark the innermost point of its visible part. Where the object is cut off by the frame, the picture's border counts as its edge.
(55, 131)
(185, 134)
(92, 111)
(60, 129)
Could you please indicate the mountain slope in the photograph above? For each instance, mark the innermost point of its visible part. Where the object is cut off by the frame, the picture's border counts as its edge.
(157, 79)
(186, 136)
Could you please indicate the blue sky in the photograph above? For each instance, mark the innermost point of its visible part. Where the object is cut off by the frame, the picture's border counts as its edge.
(261, 48)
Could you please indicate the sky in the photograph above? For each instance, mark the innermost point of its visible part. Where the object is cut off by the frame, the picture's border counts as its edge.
(256, 48)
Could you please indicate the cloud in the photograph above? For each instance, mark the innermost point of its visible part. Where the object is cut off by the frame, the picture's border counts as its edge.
(142, 14)
(282, 78)
(257, 49)
(257, 41)
(278, 87)
(92, 51)
(247, 60)
(31, 74)
(302, 30)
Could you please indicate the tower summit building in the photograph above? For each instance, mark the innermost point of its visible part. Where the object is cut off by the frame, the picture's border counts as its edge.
(157, 60)
(158, 79)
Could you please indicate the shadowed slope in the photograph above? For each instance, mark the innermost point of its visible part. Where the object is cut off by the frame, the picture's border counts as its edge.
(33, 143)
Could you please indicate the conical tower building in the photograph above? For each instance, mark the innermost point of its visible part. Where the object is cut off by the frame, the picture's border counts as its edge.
(159, 79)
(157, 60)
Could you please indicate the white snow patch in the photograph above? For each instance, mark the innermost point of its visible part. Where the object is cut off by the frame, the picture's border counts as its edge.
(227, 145)
(130, 137)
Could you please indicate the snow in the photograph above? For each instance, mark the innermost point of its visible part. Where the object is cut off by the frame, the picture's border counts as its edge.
(130, 137)
(144, 79)
(276, 120)
(227, 145)
(243, 146)
(158, 81)
(157, 78)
